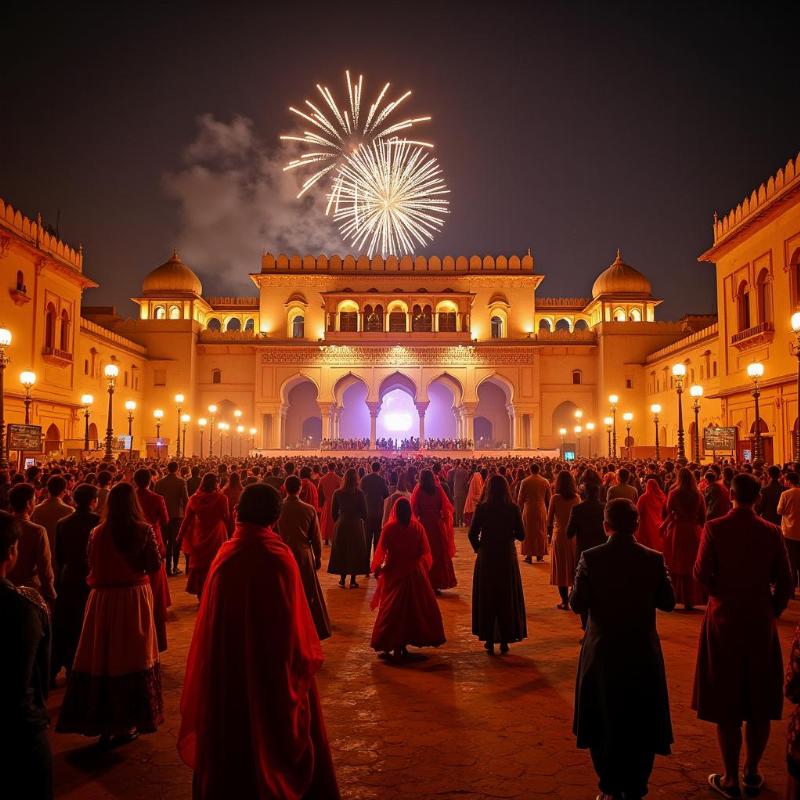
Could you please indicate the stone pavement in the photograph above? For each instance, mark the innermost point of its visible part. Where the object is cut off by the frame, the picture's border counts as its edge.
(453, 725)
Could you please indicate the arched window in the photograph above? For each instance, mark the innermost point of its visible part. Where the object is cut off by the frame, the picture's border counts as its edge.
(577, 377)
(299, 327)
(234, 324)
(635, 315)
(619, 315)
(174, 312)
(421, 319)
(397, 321)
(160, 312)
(544, 325)
(214, 324)
(250, 325)
(50, 327)
(581, 325)
(348, 316)
(64, 338)
(743, 307)
(373, 318)
(216, 376)
(497, 328)
(764, 296)
(563, 325)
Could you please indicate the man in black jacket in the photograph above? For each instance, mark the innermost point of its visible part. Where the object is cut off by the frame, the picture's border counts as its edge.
(586, 524)
(621, 700)
(27, 763)
(376, 490)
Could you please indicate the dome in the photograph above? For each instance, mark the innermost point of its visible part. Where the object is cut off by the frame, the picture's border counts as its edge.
(621, 278)
(172, 276)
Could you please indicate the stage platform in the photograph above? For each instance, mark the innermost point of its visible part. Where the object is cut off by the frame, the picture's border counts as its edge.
(441, 454)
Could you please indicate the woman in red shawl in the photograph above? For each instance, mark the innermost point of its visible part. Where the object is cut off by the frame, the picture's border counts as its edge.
(431, 506)
(308, 490)
(204, 528)
(651, 516)
(686, 515)
(233, 490)
(114, 688)
(328, 484)
(155, 512)
(251, 722)
(408, 612)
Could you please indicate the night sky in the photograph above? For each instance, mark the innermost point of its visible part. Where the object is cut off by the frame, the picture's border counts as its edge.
(569, 128)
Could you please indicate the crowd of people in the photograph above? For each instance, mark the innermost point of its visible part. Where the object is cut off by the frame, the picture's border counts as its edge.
(388, 444)
(86, 549)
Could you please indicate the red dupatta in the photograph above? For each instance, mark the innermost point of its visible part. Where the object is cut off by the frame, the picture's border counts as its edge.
(249, 686)
(446, 516)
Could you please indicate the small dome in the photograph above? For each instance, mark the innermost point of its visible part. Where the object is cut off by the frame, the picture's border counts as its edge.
(172, 276)
(621, 278)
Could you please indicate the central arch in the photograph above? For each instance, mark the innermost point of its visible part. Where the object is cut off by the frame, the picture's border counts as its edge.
(495, 395)
(398, 417)
(302, 421)
(445, 394)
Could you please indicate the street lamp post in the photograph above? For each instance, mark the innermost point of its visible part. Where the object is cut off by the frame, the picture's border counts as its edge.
(27, 379)
(252, 438)
(590, 429)
(5, 343)
(608, 422)
(628, 416)
(655, 409)
(158, 414)
(111, 371)
(201, 423)
(179, 398)
(212, 410)
(754, 372)
(613, 399)
(578, 430)
(130, 407)
(86, 402)
(563, 432)
(796, 351)
(221, 428)
(185, 419)
(696, 391)
(240, 431)
(679, 373)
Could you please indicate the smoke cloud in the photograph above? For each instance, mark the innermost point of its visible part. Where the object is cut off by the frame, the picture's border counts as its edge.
(235, 201)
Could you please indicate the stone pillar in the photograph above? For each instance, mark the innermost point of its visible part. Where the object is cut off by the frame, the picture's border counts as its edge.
(282, 424)
(512, 428)
(337, 416)
(374, 409)
(422, 407)
(468, 414)
(325, 411)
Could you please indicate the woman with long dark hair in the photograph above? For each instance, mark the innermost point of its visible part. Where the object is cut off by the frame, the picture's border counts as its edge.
(114, 689)
(562, 548)
(408, 613)
(206, 525)
(349, 553)
(686, 515)
(431, 506)
(498, 603)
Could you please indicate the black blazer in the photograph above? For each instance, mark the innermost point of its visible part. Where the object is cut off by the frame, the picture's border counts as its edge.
(586, 526)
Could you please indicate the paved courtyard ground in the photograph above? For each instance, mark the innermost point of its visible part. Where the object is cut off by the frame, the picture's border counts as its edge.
(457, 724)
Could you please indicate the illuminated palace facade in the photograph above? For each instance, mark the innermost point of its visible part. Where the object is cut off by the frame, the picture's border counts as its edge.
(444, 348)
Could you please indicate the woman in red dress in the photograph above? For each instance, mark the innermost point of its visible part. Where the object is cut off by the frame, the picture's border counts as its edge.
(233, 490)
(205, 527)
(651, 516)
(407, 609)
(155, 512)
(686, 515)
(114, 689)
(431, 506)
(308, 490)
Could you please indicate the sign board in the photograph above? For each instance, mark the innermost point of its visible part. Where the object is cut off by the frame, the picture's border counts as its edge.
(719, 439)
(24, 438)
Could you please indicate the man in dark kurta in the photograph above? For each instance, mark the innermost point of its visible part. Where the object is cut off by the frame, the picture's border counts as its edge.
(298, 526)
(251, 718)
(621, 701)
(376, 490)
(739, 678)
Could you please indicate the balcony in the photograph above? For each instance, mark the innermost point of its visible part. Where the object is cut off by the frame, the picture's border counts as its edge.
(52, 355)
(756, 336)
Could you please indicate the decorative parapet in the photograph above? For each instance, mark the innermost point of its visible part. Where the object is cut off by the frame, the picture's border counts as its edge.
(232, 301)
(566, 337)
(34, 232)
(575, 303)
(712, 331)
(432, 264)
(755, 336)
(784, 181)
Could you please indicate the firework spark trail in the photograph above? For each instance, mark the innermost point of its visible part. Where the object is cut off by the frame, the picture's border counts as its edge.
(337, 133)
(389, 195)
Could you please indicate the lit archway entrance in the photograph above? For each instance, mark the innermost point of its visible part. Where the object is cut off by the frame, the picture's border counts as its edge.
(494, 406)
(52, 440)
(398, 416)
(444, 396)
(350, 418)
(302, 421)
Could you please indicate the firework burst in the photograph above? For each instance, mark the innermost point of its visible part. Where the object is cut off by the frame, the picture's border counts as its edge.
(388, 195)
(337, 133)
